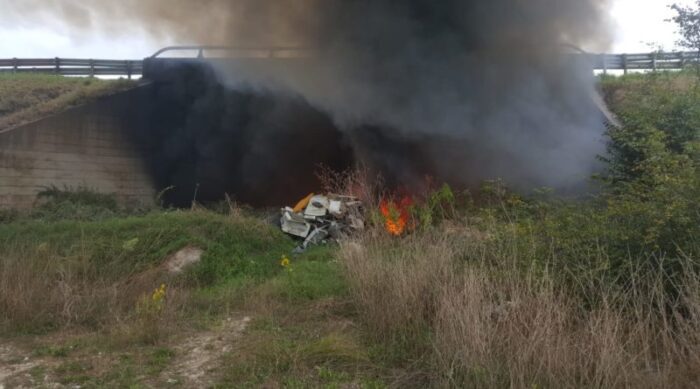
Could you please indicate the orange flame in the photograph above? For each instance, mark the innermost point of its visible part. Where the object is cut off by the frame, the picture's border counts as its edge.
(396, 215)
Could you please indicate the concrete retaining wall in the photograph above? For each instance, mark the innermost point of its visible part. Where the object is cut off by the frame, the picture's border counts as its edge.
(90, 146)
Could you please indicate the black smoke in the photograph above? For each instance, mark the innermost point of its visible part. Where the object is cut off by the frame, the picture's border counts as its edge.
(462, 90)
(490, 89)
(203, 140)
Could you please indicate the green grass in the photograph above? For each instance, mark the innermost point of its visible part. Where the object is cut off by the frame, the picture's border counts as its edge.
(53, 351)
(159, 360)
(28, 97)
(303, 335)
(299, 350)
(299, 337)
(122, 246)
(315, 275)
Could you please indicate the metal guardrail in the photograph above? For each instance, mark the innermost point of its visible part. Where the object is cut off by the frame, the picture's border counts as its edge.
(130, 68)
(625, 62)
(645, 61)
(239, 51)
(73, 67)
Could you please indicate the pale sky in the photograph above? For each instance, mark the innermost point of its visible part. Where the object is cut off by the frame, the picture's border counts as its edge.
(640, 27)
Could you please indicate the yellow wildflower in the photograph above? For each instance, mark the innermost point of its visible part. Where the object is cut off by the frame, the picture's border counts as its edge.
(159, 294)
(285, 262)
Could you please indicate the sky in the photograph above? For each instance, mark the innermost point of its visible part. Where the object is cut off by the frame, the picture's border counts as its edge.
(640, 26)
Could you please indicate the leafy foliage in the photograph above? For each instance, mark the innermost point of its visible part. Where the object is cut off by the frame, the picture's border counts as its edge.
(653, 179)
(688, 20)
(437, 206)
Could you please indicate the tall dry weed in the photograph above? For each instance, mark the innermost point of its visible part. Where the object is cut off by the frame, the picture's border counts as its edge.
(42, 290)
(360, 182)
(440, 303)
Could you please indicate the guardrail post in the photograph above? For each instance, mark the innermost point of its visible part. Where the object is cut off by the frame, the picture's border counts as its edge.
(653, 62)
(58, 65)
(92, 68)
(15, 65)
(605, 64)
(128, 69)
(624, 63)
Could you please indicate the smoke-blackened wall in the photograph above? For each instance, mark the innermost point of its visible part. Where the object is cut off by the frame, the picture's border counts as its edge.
(461, 89)
(204, 140)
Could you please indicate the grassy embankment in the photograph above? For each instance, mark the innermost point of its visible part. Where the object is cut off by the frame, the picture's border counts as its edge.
(79, 295)
(494, 289)
(28, 97)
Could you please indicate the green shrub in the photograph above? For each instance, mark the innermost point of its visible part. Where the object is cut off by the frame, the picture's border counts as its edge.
(652, 185)
(437, 206)
(82, 203)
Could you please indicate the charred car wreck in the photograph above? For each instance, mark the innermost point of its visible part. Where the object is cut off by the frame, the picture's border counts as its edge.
(317, 219)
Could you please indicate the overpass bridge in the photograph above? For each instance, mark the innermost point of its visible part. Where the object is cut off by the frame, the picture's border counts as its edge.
(655, 61)
(175, 131)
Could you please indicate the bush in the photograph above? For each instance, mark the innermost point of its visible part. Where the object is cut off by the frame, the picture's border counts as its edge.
(652, 184)
(55, 204)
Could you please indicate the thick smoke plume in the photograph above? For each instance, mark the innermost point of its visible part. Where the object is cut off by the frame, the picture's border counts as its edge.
(470, 89)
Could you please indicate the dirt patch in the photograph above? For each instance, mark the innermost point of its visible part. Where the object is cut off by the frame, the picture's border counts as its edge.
(178, 262)
(199, 355)
(14, 365)
(194, 363)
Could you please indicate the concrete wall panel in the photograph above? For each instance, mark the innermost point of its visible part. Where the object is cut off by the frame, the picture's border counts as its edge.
(90, 146)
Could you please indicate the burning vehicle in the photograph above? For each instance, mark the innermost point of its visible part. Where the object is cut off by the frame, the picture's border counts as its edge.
(318, 218)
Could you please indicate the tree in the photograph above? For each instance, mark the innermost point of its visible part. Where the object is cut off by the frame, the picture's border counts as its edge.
(688, 21)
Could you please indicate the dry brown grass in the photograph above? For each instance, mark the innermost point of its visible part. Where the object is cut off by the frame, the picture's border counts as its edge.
(41, 290)
(28, 97)
(439, 302)
(360, 182)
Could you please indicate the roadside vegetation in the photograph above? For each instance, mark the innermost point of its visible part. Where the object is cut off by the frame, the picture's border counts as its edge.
(28, 97)
(489, 288)
(496, 289)
(87, 296)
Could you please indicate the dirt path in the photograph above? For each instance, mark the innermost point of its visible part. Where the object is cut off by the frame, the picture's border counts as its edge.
(200, 354)
(14, 363)
(192, 366)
